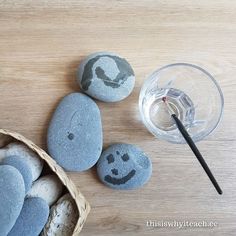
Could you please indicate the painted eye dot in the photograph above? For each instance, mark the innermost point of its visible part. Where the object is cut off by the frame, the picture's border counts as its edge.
(125, 157)
(114, 171)
(71, 136)
(110, 158)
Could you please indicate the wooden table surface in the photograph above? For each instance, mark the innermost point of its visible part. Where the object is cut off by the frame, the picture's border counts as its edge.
(42, 43)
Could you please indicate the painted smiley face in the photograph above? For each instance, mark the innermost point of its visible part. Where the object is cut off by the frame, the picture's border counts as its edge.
(114, 171)
(124, 166)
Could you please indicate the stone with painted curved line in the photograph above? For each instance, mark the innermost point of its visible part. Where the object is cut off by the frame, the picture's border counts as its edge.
(106, 76)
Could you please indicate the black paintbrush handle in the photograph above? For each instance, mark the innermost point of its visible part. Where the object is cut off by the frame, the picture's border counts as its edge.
(197, 153)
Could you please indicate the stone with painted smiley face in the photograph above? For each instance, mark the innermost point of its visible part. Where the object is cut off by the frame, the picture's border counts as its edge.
(124, 166)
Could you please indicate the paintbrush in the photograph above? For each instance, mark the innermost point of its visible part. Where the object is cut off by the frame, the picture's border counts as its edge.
(192, 145)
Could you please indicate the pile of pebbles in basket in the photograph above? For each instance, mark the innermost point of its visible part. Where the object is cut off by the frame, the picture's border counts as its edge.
(33, 201)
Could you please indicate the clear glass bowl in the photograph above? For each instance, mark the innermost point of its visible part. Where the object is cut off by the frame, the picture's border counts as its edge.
(192, 93)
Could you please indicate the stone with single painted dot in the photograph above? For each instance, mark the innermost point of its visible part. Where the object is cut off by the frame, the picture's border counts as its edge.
(106, 77)
(12, 193)
(75, 133)
(124, 166)
(32, 218)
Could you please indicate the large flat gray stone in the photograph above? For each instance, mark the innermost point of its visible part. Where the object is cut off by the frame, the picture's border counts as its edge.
(75, 133)
(11, 197)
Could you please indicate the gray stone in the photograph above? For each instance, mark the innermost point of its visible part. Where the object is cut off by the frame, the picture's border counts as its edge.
(75, 133)
(21, 165)
(106, 77)
(124, 166)
(24, 152)
(12, 193)
(32, 218)
(47, 187)
(63, 218)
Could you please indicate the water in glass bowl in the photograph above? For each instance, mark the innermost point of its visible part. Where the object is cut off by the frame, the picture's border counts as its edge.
(158, 116)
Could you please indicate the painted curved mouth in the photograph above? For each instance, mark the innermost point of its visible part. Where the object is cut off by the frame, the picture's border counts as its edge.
(117, 181)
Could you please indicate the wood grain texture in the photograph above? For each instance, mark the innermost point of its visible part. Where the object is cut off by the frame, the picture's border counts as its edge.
(42, 43)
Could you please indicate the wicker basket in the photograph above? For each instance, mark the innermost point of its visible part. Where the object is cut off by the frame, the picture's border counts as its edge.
(81, 202)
